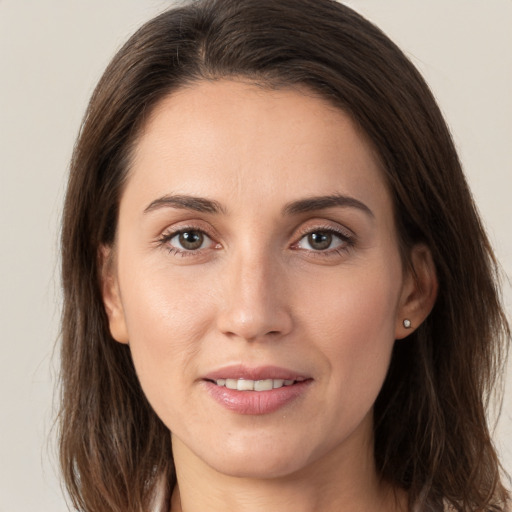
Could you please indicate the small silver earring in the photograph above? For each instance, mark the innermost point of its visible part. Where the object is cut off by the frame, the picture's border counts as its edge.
(407, 323)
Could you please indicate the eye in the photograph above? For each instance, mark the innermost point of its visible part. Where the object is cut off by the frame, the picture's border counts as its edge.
(187, 240)
(323, 240)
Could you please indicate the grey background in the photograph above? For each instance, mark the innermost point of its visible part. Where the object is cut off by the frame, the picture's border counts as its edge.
(52, 52)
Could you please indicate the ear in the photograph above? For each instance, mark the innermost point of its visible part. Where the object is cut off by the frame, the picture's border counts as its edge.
(111, 296)
(419, 291)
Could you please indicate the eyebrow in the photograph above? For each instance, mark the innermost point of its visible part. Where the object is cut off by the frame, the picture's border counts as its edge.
(198, 204)
(203, 205)
(309, 204)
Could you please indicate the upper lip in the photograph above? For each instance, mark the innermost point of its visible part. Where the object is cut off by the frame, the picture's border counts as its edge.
(255, 373)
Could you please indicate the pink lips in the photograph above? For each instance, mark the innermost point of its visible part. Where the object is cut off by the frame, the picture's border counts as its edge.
(255, 402)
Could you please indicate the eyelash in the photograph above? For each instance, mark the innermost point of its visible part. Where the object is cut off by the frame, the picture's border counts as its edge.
(347, 241)
(346, 238)
(167, 237)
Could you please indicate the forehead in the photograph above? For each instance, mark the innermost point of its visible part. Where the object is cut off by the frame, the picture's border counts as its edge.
(229, 139)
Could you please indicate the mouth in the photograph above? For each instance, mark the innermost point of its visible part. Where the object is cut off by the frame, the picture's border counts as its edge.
(241, 384)
(256, 391)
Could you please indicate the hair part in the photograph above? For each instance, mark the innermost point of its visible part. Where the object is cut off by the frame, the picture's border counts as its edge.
(431, 434)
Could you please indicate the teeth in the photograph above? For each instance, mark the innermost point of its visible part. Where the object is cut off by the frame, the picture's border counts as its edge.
(231, 383)
(246, 385)
(253, 385)
(262, 385)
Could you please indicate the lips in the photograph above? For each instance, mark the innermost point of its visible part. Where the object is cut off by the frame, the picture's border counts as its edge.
(261, 390)
(257, 373)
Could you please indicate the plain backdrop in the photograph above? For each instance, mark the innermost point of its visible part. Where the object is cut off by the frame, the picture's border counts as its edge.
(52, 52)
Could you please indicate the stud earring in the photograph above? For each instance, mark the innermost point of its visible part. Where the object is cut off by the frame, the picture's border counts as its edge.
(407, 323)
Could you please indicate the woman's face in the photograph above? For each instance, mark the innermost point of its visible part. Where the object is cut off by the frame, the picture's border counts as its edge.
(256, 250)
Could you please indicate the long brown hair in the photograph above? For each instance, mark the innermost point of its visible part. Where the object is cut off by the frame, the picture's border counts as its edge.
(431, 433)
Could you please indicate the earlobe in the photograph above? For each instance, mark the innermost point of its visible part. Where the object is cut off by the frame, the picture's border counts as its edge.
(419, 292)
(111, 295)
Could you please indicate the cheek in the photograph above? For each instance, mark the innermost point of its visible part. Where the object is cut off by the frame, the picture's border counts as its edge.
(352, 320)
(167, 316)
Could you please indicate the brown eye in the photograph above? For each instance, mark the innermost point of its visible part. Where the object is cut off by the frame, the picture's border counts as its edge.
(187, 240)
(191, 240)
(320, 240)
(324, 240)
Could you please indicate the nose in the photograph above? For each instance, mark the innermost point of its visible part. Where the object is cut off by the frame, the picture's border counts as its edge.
(255, 305)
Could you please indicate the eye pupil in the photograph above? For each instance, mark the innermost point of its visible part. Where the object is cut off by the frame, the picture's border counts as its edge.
(191, 240)
(320, 240)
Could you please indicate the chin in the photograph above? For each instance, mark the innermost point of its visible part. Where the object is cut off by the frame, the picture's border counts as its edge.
(259, 468)
(259, 458)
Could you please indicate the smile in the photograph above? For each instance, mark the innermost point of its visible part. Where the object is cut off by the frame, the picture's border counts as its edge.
(254, 385)
(255, 391)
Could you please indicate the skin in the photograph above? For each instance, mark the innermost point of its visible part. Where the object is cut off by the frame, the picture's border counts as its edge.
(259, 292)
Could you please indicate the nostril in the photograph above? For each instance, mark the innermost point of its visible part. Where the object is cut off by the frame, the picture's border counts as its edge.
(254, 319)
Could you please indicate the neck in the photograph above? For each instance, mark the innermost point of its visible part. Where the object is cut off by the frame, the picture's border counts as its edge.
(343, 480)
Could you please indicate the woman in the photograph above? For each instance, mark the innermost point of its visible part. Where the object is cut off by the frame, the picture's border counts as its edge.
(278, 293)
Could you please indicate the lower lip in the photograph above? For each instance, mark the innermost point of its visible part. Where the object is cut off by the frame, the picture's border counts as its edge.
(256, 402)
